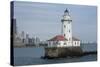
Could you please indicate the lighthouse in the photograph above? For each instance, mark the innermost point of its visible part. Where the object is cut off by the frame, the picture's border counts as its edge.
(67, 27)
(65, 39)
(64, 44)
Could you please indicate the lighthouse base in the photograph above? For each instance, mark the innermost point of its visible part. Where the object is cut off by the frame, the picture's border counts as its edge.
(60, 52)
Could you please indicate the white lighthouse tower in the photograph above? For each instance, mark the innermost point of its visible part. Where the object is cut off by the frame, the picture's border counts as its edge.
(67, 27)
(65, 39)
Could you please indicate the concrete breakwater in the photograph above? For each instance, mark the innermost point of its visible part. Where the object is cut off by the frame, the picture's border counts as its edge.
(60, 52)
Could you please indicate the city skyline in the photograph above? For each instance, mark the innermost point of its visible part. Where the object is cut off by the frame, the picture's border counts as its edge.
(44, 20)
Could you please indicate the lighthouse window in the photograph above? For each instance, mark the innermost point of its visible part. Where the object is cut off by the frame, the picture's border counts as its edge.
(64, 43)
(69, 31)
(64, 26)
(64, 34)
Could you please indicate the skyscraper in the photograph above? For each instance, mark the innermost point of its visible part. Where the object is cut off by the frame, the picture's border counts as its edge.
(14, 26)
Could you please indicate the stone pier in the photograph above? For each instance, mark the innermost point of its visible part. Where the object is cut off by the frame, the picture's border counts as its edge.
(60, 52)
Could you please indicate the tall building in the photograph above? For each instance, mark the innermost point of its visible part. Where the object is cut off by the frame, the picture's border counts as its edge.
(37, 41)
(27, 39)
(23, 37)
(14, 26)
(17, 41)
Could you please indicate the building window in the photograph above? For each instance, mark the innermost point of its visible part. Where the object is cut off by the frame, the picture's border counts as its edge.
(64, 43)
(75, 43)
(58, 43)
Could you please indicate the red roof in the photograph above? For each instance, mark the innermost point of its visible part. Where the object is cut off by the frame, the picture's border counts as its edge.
(58, 38)
(62, 38)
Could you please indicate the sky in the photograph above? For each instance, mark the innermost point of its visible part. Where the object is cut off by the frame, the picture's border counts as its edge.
(43, 20)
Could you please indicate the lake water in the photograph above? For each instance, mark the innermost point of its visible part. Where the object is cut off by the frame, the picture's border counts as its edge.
(31, 56)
